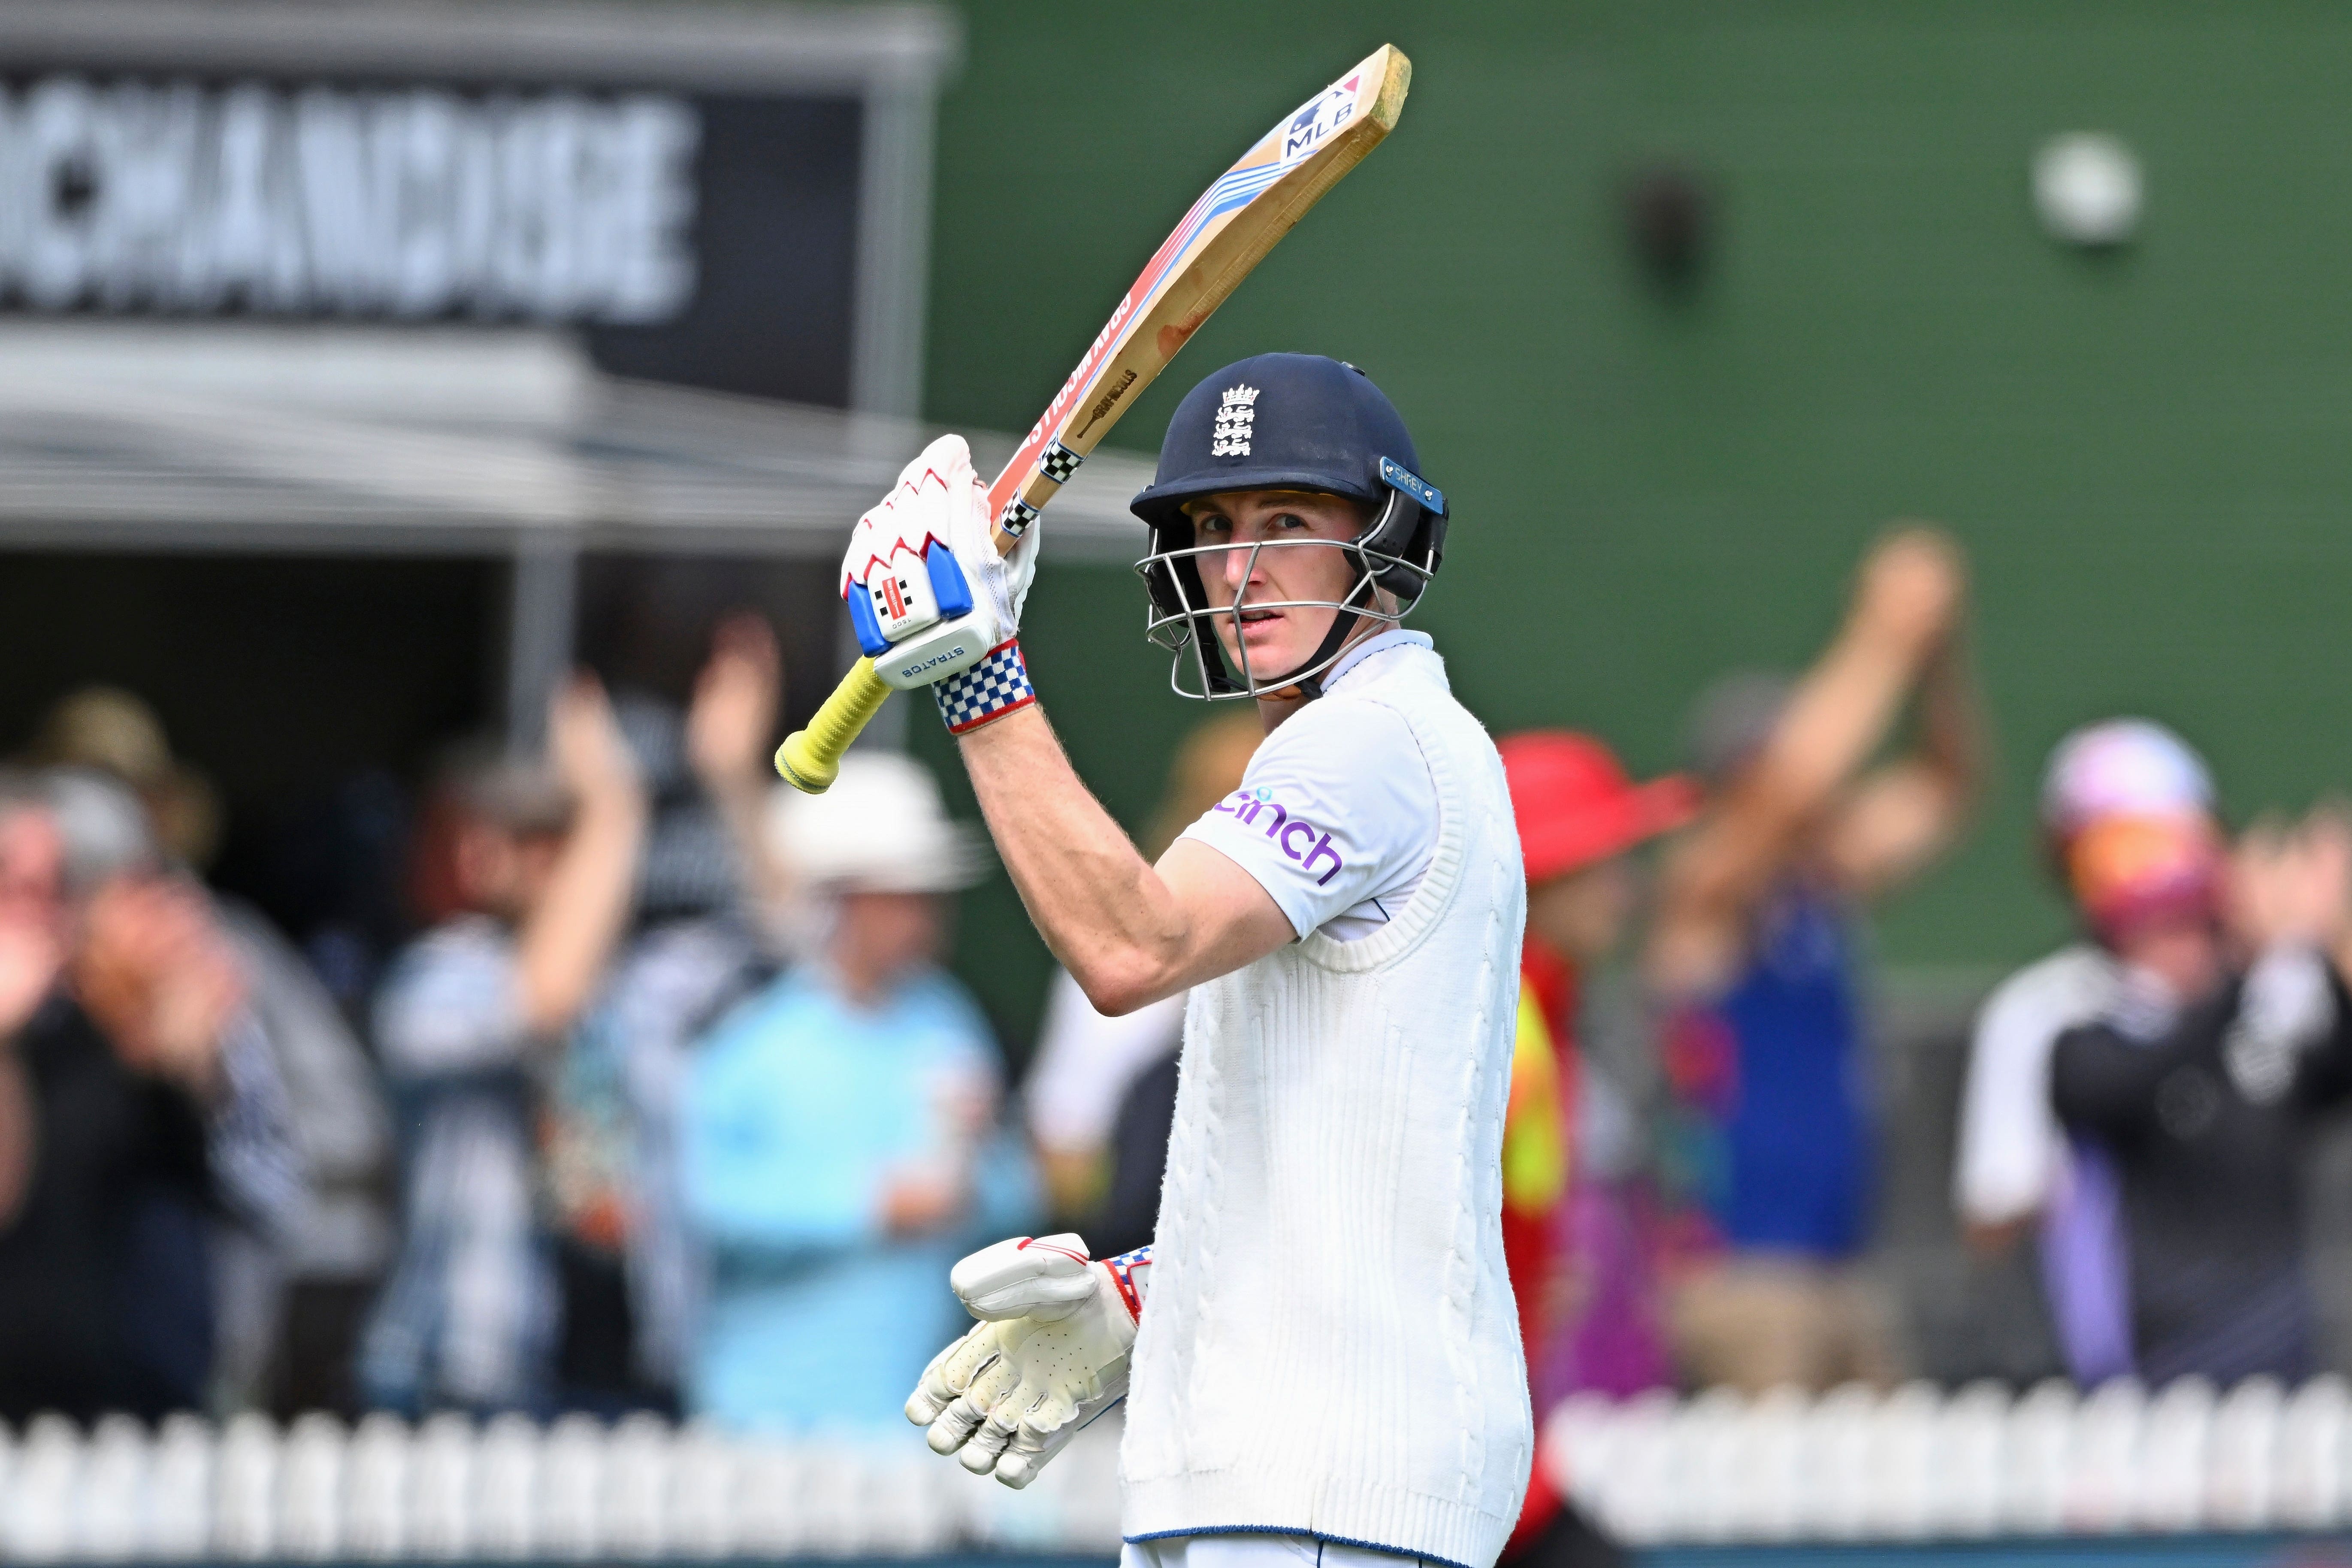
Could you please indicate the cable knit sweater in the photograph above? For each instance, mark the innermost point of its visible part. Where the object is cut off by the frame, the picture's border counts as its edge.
(1330, 1346)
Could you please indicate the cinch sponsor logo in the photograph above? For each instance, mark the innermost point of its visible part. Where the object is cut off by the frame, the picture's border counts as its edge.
(1299, 838)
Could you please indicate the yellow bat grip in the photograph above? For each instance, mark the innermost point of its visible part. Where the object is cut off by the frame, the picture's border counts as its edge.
(810, 759)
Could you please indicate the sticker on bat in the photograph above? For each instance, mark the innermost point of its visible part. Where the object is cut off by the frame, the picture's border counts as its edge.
(1313, 125)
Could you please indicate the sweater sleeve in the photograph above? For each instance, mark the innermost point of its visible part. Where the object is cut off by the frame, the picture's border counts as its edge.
(2325, 1076)
(1336, 814)
(2106, 1081)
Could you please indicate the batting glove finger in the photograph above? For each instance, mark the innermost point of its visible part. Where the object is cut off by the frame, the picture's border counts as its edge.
(950, 1373)
(1041, 1434)
(990, 1386)
(980, 1454)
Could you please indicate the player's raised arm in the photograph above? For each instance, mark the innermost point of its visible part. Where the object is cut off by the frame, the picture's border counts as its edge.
(1128, 932)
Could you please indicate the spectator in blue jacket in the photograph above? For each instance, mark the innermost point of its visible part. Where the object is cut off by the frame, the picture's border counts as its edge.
(839, 1136)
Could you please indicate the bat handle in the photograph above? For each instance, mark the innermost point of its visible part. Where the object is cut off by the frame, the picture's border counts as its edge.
(810, 759)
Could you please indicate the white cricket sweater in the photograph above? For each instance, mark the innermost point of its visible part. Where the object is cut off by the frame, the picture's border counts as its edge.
(1330, 1346)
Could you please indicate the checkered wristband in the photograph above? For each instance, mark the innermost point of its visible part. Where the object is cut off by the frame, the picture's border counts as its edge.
(989, 689)
(1132, 1272)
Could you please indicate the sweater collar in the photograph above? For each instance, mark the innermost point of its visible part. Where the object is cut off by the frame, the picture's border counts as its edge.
(1388, 641)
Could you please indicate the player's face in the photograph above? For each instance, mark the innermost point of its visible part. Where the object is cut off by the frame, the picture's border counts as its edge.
(1263, 587)
(881, 938)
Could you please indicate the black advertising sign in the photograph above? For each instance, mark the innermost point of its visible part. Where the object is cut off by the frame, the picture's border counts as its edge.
(699, 224)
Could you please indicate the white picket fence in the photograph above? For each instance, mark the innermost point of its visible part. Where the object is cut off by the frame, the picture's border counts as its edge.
(1912, 1464)
(575, 1491)
(1917, 1464)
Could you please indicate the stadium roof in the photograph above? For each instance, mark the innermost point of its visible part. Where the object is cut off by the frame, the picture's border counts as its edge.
(245, 436)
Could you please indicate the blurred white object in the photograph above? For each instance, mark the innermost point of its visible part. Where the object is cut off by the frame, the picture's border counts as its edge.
(441, 1520)
(1844, 1431)
(379, 1491)
(179, 1492)
(2312, 1456)
(571, 1482)
(774, 1517)
(1576, 1448)
(42, 1500)
(640, 1463)
(1967, 1495)
(2087, 188)
(311, 1489)
(113, 1493)
(2242, 1475)
(881, 827)
(1708, 1431)
(245, 1501)
(2102, 1489)
(1852, 1464)
(1907, 1459)
(2173, 1461)
(506, 1491)
(1640, 1505)
(2122, 765)
(2040, 1443)
(1778, 1452)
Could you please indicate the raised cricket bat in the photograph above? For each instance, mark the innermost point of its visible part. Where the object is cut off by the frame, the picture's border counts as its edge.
(1227, 232)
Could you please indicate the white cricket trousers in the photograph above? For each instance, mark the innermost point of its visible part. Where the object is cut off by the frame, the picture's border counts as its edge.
(1254, 1550)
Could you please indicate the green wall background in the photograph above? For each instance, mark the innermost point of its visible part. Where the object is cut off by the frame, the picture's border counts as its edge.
(2146, 454)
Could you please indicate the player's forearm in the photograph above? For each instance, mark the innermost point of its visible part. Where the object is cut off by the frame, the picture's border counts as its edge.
(568, 937)
(1100, 906)
(1835, 719)
(1952, 722)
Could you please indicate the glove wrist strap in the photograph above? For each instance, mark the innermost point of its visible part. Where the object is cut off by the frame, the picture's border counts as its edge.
(1131, 1273)
(997, 685)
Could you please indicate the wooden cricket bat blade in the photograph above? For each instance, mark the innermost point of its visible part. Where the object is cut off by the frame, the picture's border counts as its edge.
(1224, 233)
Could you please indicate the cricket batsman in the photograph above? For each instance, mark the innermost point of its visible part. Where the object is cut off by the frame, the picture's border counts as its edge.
(1319, 1352)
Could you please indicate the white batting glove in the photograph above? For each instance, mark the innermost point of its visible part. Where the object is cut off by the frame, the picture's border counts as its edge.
(1007, 1396)
(927, 591)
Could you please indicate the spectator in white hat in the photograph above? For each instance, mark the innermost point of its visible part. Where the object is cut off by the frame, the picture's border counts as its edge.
(2017, 1169)
(836, 1126)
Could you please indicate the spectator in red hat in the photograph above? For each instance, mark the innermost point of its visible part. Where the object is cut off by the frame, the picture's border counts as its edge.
(1578, 816)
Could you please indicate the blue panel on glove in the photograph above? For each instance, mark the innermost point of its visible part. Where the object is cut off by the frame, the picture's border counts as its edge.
(947, 581)
(870, 630)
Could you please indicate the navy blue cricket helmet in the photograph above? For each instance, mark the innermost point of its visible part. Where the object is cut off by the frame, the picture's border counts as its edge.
(1288, 421)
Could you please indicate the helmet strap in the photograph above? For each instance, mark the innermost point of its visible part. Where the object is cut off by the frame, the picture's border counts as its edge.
(1343, 627)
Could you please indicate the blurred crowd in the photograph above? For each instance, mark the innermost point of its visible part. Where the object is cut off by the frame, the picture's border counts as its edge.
(665, 1100)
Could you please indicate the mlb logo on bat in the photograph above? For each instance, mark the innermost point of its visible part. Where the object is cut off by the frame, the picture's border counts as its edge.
(1309, 127)
(1237, 418)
